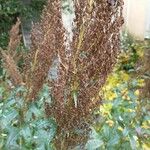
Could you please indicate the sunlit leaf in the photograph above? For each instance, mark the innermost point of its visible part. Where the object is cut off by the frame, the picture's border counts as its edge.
(114, 139)
(94, 144)
(7, 117)
(12, 139)
(133, 143)
(125, 132)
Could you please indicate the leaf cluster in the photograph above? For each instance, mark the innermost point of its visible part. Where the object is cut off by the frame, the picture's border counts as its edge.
(123, 120)
(24, 126)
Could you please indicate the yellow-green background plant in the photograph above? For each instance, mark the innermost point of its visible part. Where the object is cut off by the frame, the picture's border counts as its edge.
(123, 120)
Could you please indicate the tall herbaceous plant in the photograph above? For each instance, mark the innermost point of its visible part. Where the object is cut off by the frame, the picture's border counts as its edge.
(83, 63)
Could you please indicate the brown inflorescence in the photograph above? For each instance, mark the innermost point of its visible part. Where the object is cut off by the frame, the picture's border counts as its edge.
(47, 38)
(9, 54)
(11, 68)
(94, 50)
(82, 71)
(14, 38)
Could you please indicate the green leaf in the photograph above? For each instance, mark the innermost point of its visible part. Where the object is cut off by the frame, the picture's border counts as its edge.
(10, 102)
(132, 95)
(117, 102)
(94, 134)
(113, 140)
(45, 129)
(12, 138)
(7, 117)
(106, 131)
(94, 144)
(125, 132)
(133, 143)
(2, 142)
(26, 132)
(33, 110)
(42, 124)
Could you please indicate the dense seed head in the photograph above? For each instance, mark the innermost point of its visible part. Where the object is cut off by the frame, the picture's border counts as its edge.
(47, 37)
(82, 72)
(8, 55)
(14, 37)
(94, 50)
(12, 69)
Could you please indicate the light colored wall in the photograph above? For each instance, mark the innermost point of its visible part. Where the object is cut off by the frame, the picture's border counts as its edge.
(137, 17)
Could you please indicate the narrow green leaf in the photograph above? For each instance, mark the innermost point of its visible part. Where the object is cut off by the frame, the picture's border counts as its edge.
(75, 98)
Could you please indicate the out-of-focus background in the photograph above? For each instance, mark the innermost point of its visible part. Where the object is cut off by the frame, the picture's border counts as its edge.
(137, 18)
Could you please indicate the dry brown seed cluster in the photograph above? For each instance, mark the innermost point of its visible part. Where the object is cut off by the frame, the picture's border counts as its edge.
(94, 51)
(15, 38)
(9, 55)
(81, 75)
(47, 37)
(11, 68)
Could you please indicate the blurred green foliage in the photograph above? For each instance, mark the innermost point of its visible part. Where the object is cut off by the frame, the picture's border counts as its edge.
(24, 126)
(123, 120)
(11, 9)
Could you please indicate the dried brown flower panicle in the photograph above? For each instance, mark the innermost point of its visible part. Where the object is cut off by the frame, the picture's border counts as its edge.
(11, 68)
(83, 70)
(94, 49)
(47, 37)
(8, 55)
(15, 37)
